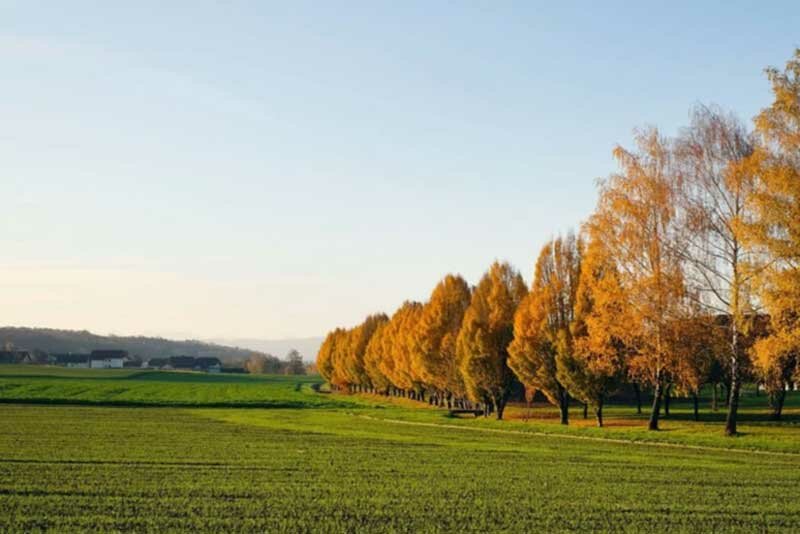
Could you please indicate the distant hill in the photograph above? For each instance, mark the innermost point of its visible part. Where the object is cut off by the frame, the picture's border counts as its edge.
(82, 341)
(306, 346)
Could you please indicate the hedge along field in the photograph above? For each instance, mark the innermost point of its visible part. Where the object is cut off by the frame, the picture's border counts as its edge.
(121, 468)
(53, 385)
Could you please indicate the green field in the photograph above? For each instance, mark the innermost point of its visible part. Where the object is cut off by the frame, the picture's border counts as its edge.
(332, 463)
(124, 387)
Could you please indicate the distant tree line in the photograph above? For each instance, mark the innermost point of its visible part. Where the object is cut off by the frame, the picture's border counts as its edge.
(686, 274)
(52, 341)
(269, 364)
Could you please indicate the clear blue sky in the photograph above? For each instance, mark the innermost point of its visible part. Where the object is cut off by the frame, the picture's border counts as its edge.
(277, 169)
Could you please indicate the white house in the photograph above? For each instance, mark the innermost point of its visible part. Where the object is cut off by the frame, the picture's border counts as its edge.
(107, 359)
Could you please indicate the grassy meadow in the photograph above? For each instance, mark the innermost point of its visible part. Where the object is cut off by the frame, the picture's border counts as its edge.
(134, 387)
(240, 453)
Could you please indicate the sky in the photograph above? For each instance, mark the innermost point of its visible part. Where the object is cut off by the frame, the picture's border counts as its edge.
(277, 169)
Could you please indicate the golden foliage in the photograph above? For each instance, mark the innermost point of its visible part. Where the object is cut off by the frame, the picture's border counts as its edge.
(485, 334)
(435, 352)
(775, 229)
(687, 239)
(597, 363)
(543, 320)
(635, 220)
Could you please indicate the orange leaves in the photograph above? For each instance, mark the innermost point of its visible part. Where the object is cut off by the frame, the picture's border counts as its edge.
(635, 223)
(775, 229)
(543, 321)
(683, 236)
(486, 332)
(435, 354)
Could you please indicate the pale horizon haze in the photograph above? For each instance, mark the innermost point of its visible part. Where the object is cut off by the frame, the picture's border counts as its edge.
(273, 170)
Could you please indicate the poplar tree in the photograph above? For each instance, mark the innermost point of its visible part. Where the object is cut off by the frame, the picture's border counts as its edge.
(435, 352)
(487, 330)
(358, 339)
(596, 366)
(327, 357)
(542, 323)
(395, 363)
(376, 350)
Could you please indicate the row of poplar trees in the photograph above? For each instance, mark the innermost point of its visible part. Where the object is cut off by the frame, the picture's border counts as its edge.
(690, 263)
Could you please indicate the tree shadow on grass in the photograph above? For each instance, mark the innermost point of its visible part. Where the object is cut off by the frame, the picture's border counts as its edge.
(743, 417)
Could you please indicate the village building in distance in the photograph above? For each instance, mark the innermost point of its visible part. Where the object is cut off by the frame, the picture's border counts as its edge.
(108, 359)
(97, 359)
(17, 356)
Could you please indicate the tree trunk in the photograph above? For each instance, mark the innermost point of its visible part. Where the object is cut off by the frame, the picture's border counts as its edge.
(500, 406)
(667, 399)
(564, 407)
(598, 413)
(733, 409)
(733, 404)
(696, 408)
(638, 393)
(776, 402)
(656, 410)
(585, 411)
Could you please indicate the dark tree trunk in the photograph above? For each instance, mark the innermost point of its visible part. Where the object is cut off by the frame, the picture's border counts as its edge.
(695, 400)
(500, 405)
(585, 411)
(638, 393)
(564, 407)
(656, 410)
(667, 399)
(776, 402)
(598, 413)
